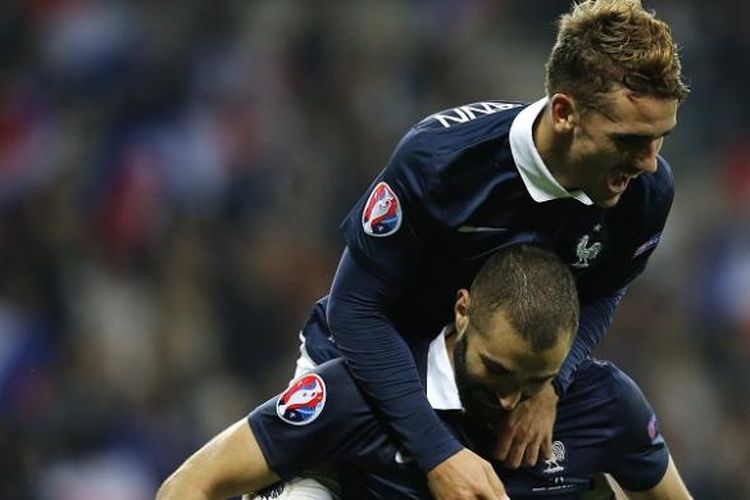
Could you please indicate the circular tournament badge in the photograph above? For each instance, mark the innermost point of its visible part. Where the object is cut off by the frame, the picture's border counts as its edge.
(303, 400)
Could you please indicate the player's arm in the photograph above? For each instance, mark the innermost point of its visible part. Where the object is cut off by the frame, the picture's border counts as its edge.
(320, 417)
(381, 362)
(384, 367)
(373, 273)
(670, 487)
(230, 464)
(375, 270)
(638, 457)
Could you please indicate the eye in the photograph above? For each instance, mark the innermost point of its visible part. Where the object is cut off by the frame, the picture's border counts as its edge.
(631, 141)
(494, 370)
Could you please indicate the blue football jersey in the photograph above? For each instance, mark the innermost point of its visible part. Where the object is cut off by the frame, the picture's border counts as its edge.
(462, 193)
(460, 185)
(604, 424)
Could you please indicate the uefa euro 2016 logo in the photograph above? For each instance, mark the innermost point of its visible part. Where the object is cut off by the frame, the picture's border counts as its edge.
(303, 401)
(382, 214)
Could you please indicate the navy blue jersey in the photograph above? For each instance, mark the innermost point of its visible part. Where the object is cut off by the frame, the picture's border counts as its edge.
(604, 424)
(460, 185)
(462, 197)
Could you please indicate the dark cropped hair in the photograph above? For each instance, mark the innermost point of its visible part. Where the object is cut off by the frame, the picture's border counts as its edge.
(535, 290)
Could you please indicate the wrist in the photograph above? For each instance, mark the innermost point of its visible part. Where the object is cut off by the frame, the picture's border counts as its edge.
(550, 392)
(439, 456)
(438, 467)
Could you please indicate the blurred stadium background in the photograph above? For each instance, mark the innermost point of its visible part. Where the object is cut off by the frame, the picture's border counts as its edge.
(172, 175)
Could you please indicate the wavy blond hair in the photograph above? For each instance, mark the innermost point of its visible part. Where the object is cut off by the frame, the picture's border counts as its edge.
(603, 43)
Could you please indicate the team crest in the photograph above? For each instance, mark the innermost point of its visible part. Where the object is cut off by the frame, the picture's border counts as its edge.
(303, 401)
(586, 252)
(558, 455)
(382, 215)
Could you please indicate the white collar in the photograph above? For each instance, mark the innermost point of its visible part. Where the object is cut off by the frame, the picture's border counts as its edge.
(442, 391)
(539, 182)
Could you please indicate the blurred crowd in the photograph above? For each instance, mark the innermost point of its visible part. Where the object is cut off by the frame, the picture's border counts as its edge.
(172, 177)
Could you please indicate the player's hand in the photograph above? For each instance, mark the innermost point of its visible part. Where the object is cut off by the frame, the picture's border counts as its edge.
(465, 476)
(526, 435)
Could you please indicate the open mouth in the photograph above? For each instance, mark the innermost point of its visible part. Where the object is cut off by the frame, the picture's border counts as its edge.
(618, 183)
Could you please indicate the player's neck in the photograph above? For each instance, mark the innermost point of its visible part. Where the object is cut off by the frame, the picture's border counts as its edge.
(552, 148)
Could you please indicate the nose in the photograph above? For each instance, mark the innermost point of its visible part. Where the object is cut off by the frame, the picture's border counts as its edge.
(510, 400)
(646, 160)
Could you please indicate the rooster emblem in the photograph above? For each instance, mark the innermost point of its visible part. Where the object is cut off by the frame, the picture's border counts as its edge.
(558, 455)
(586, 252)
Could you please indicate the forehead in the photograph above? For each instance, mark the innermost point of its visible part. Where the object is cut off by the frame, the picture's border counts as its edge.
(628, 113)
(497, 339)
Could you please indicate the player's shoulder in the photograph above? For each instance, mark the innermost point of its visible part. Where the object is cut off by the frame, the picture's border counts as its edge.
(656, 190)
(451, 158)
(662, 181)
(461, 127)
(474, 114)
(624, 395)
(339, 392)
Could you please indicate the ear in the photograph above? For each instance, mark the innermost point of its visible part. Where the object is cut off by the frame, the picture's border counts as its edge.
(563, 113)
(461, 309)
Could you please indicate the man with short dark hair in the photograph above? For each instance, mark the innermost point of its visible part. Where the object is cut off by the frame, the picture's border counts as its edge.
(507, 340)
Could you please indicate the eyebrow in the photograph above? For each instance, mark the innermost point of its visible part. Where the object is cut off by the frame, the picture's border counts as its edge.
(639, 137)
(497, 367)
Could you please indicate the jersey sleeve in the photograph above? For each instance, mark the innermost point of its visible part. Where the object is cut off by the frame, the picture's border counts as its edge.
(639, 454)
(389, 228)
(382, 363)
(320, 418)
(388, 233)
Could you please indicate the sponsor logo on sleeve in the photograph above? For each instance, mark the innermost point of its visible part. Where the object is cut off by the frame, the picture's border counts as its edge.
(382, 214)
(303, 401)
